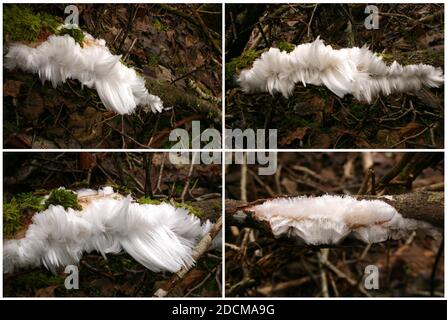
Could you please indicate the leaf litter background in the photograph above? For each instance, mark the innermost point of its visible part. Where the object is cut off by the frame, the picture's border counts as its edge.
(178, 56)
(119, 275)
(280, 268)
(316, 118)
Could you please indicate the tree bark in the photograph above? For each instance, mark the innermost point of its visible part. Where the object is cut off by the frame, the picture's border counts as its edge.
(421, 205)
(175, 97)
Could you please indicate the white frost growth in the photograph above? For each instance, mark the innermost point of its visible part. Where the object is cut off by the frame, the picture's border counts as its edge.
(60, 58)
(104, 192)
(86, 192)
(356, 71)
(330, 219)
(160, 237)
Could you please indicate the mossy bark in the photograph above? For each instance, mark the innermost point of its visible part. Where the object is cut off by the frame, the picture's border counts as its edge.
(175, 97)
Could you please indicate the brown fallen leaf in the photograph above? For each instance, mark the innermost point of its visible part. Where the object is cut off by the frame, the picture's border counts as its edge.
(105, 286)
(11, 88)
(413, 261)
(388, 138)
(317, 103)
(192, 279)
(86, 160)
(426, 39)
(290, 185)
(170, 34)
(142, 24)
(321, 140)
(46, 292)
(127, 289)
(429, 98)
(292, 22)
(411, 129)
(23, 140)
(297, 134)
(190, 41)
(34, 106)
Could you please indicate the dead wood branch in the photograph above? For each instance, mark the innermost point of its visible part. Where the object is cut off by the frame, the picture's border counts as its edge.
(203, 245)
(420, 205)
(175, 97)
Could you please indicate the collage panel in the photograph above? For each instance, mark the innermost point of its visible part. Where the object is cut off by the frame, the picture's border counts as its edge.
(119, 224)
(335, 224)
(109, 76)
(337, 75)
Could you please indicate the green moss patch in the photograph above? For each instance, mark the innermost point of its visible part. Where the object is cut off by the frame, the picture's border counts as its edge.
(144, 200)
(37, 279)
(285, 46)
(14, 209)
(240, 63)
(191, 209)
(25, 25)
(121, 189)
(188, 207)
(158, 25)
(64, 198)
(152, 60)
(75, 33)
(12, 218)
(22, 24)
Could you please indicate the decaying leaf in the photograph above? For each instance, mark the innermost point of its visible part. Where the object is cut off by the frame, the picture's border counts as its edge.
(11, 88)
(297, 134)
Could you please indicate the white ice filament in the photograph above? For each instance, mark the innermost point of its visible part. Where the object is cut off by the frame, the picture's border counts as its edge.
(356, 71)
(60, 58)
(160, 237)
(330, 219)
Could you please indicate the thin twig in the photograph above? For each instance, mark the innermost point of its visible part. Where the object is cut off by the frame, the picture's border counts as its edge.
(127, 136)
(322, 258)
(411, 137)
(147, 162)
(158, 187)
(188, 179)
(390, 175)
(201, 283)
(310, 21)
(130, 49)
(205, 31)
(203, 245)
(243, 183)
(134, 11)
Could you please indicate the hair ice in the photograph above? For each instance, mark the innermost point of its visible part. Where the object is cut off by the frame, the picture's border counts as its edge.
(60, 58)
(356, 71)
(330, 219)
(160, 237)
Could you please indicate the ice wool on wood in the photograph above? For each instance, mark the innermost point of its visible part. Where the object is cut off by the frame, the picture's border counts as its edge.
(330, 219)
(60, 58)
(160, 237)
(355, 71)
